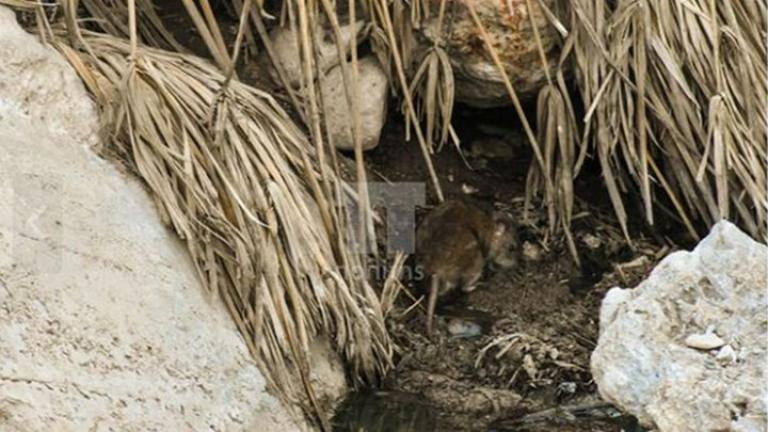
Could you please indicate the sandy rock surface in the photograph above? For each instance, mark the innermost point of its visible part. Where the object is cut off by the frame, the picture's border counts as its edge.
(103, 322)
(686, 350)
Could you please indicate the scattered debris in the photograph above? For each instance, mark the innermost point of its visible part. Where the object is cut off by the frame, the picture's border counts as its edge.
(591, 241)
(558, 415)
(458, 397)
(468, 190)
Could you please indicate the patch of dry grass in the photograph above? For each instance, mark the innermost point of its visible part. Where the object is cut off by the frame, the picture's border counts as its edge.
(676, 104)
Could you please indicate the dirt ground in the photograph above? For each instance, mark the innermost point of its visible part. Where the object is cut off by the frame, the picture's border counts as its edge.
(523, 364)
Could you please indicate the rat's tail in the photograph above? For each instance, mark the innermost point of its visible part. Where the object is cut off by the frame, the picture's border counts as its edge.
(434, 288)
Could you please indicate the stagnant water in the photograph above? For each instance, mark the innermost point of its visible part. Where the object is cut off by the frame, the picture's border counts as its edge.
(392, 411)
(384, 411)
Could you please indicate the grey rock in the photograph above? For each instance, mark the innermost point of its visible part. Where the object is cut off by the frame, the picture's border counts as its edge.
(642, 362)
(371, 107)
(287, 49)
(478, 81)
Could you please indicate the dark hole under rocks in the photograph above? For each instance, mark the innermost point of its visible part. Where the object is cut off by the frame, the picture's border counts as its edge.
(525, 365)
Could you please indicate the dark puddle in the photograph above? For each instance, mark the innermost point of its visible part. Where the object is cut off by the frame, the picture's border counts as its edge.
(384, 411)
(392, 411)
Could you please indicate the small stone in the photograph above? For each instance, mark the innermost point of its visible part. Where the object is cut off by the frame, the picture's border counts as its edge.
(567, 387)
(468, 190)
(532, 251)
(726, 355)
(591, 241)
(371, 107)
(705, 341)
(286, 48)
(463, 328)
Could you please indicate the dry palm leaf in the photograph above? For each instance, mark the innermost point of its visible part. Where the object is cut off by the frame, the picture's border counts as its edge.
(433, 88)
(675, 100)
(111, 16)
(398, 43)
(676, 96)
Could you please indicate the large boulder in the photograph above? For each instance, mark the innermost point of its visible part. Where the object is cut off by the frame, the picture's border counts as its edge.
(686, 349)
(510, 28)
(104, 324)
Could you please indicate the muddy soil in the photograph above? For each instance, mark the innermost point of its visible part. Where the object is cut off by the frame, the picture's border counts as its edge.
(514, 354)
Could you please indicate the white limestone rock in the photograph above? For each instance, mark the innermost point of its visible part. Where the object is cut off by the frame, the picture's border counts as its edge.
(287, 49)
(103, 322)
(644, 361)
(371, 106)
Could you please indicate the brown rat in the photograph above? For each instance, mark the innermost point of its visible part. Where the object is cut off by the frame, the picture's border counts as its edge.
(455, 241)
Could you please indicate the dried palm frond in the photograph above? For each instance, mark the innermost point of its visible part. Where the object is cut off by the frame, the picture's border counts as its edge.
(111, 16)
(398, 42)
(676, 96)
(350, 76)
(557, 131)
(433, 88)
(540, 361)
(240, 184)
(675, 103)
(393, 286)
